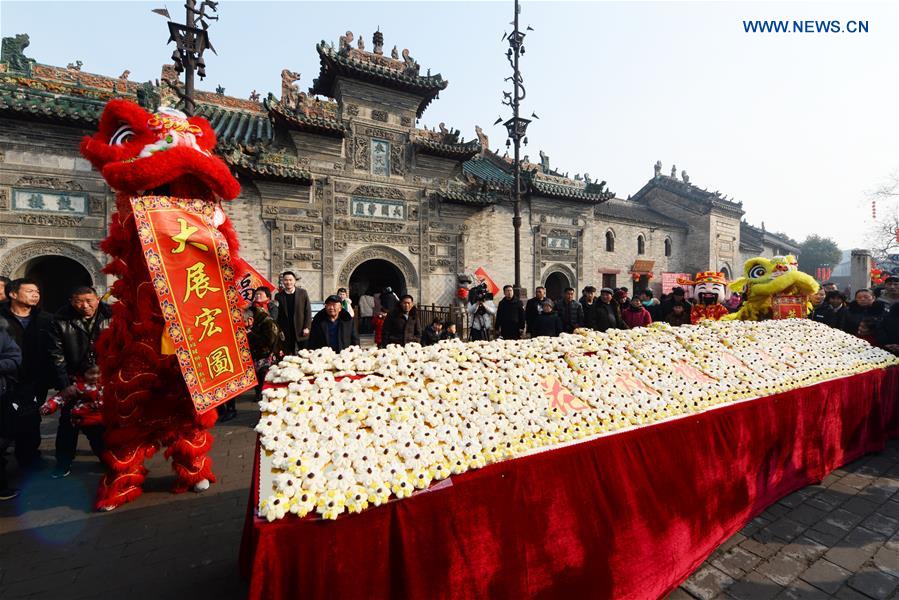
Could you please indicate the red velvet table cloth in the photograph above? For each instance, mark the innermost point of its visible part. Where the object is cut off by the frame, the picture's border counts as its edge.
(629, 515)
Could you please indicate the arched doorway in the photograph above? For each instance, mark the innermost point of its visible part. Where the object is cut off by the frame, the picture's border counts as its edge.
(373, 276)
(555, 286)
(56, 276)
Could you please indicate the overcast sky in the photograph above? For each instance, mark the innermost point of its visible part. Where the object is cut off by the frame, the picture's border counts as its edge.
(799, 126)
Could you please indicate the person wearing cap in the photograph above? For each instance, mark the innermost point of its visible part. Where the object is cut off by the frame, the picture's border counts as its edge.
(590, 305)
(678, 296)
(608, 311)
(401, 326)
(332, 327)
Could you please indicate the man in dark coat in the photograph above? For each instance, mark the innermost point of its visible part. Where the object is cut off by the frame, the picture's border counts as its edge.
(509, 323)
(889, 330)
(863, 307)
(534, 307)
(678, 296)
(571, 312)
(432, 333)
(333, 327)
(832, 311)
(401, 326)
(608, 313)
(28, 326)
(10, 361)
(294, 313)
(71, 346)
(590, 305)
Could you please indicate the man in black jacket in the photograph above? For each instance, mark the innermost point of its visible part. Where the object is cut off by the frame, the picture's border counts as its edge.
(332, 327)
(28, 326)
(10, 361)
(678, 296)
(401, 325)
(534, 307)
(294, 313)
(509, 322)
(571, 312)
(72, 349)
(608, 314)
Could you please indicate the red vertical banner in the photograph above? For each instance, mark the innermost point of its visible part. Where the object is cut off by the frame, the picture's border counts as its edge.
(191, 270)
(247, 279)
(482, 276)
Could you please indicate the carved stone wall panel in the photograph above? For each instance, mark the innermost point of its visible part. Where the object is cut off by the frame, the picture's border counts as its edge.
(384, 134)
(361, 154)
(379, 115)
(406, 121)
(51, 220)
(96, 206)
(398, 160)
(4, 199)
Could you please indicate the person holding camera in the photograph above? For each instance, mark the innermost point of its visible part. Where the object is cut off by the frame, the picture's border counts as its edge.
(482, 310)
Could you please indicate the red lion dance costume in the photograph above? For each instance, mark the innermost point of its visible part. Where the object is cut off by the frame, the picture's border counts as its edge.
(146, 402)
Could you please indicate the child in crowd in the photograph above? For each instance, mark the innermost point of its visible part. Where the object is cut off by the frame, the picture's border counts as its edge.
(377, 324)
(678, 315)
(88, 400)
(449, 332)
(867, 330)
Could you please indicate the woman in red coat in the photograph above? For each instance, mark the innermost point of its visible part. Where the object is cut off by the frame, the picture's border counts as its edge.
(635, 315)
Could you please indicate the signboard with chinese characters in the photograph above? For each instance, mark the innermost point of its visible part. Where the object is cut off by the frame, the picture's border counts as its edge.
(789, 307)
(380, 157)
(192, 272)
(50, 201)
(373, 208)
(559, 243)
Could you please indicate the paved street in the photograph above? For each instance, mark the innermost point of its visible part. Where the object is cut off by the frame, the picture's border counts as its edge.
(834, 540)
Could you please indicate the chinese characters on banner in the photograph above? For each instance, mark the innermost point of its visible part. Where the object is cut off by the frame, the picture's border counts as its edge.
(248, 279)
(789, 307)
(670, 281)
(193, 276)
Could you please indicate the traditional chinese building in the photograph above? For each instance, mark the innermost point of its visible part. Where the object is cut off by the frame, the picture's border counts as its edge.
(341, 185)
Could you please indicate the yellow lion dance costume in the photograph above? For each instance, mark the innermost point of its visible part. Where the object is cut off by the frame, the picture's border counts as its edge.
(764, 279)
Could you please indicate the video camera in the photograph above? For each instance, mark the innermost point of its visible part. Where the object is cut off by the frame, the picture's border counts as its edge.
(477, 293)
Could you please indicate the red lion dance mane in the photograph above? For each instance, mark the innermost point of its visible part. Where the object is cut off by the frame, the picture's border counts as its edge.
(146, 402)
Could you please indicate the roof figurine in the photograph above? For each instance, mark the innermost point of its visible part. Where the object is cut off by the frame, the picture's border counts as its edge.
(685, 177)
(673, 172)
(290, 91)
(658, 168)
(377, 42)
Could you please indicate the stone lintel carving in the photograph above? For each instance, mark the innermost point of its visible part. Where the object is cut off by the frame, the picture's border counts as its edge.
(377, 238)
(342, 186)
(4, 199)
(376, 191)
(384, 134)
(352, 110)
(406, 121)
(51, 220)
(303, 227)
(20, 255)
(302, 256)
(379, 252)
(379, 115)
(50, 183)
(340, 245)
(270, 210)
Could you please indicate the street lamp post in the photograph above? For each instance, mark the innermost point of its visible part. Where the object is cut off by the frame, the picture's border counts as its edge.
(517, 131)
(191, 41)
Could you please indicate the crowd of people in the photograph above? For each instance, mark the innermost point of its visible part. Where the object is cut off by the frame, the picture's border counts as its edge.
(42, 352)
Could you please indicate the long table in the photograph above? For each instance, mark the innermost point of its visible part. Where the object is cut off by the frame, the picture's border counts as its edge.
(627, 515)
